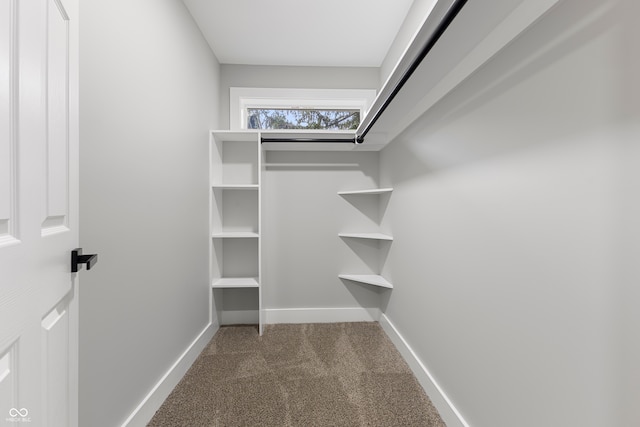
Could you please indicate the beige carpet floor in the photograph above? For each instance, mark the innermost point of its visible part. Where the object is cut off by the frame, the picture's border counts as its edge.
(335, 374)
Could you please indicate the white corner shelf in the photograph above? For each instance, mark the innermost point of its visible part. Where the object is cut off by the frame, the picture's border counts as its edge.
(373, 236)
(371, 191)
(236, 186)
(236, 235)
(369, 279)
(235, 282)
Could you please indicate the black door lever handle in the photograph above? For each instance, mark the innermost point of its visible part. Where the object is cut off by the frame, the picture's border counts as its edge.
(77, 258)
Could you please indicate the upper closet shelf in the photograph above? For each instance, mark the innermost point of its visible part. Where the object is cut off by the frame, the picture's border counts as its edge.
(373, 236)
(369, 279)
(455, 39)
(372, 191)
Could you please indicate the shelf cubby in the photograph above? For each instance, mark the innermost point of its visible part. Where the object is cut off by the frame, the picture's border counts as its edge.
(234, 159)
(235, 211)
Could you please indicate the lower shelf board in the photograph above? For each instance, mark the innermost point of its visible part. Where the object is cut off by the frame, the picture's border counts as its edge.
(235, 235)
(235, 282)
(369, 279)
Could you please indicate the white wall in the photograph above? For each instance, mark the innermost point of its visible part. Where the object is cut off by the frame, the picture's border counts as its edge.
(291, 77)
(515, 220)
(303, 214)
(149, 88)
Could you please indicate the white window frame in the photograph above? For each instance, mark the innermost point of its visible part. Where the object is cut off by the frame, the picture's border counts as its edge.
(241, 98)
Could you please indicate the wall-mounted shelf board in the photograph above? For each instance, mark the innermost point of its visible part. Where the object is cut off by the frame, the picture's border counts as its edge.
(235, 282)
(235, 235)
(372, 191)
(373, 236)
(237, 187)
(235, 135)
(369, 279)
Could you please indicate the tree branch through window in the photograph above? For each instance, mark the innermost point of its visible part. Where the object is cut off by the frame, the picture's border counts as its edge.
(290, 118)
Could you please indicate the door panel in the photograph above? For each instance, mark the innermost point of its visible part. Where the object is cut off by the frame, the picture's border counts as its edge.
(55, 376)
(38, 212)
(8, 53)
(9, 375)
(56, 214)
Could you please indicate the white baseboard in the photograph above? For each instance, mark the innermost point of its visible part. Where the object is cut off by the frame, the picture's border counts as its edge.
(152, 401)
(443, 404)
(321, 315)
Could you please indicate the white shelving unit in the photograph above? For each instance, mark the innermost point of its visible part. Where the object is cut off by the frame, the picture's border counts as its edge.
(237, 169)
(235, 217)
(369, 279)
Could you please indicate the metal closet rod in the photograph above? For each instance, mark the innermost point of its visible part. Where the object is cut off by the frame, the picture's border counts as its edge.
(439, 19)
(276, 139)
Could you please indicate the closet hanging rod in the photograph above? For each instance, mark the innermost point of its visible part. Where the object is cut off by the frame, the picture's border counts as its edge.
(439, 19)
(276, 139)
(441, 16)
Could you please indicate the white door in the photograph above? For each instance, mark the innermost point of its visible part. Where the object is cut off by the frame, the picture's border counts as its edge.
(38, 212)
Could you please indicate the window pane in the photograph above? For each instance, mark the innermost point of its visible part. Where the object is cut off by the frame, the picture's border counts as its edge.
(288, 118)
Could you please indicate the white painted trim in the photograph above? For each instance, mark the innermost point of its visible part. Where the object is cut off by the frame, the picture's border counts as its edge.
(152, 401)
(321, 315)
(440, 400)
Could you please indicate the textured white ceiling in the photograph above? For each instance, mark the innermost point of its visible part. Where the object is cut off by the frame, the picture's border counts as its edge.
(300, 32)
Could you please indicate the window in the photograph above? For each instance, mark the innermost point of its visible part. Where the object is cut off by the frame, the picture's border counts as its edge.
(302, 118)
(314, 109)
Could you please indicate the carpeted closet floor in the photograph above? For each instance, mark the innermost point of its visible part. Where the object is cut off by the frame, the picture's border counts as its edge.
(330, 374)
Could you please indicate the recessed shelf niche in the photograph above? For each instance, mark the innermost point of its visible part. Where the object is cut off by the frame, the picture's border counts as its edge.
(368, 279)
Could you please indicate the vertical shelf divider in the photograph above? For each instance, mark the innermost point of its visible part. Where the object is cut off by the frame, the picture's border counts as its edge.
(262, 153)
